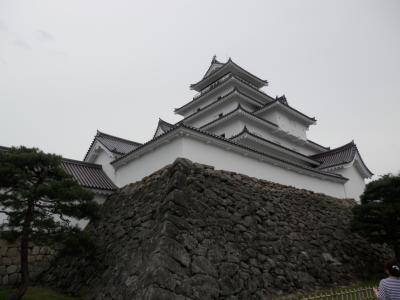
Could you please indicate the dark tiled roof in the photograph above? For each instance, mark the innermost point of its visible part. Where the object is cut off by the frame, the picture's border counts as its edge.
(279, 100)
(246, 131)
(4, 148)
(88, 175)
(239, 108)
(116, 144)
(215, 65)
(113, 143)
(222, 98)
(225, 65)
(338, 156)
(229, 76)
(165, 126)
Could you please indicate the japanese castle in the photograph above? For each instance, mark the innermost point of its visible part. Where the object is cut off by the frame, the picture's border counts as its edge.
(233, 125)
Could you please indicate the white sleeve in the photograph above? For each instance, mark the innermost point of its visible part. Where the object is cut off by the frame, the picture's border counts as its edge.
(382, 290)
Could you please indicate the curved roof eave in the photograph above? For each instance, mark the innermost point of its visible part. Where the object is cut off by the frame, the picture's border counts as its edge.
(305, 157)
(237, 110)
(346, 155)
(299, 114)
(223, 98)
(201, 132)
(204, 81)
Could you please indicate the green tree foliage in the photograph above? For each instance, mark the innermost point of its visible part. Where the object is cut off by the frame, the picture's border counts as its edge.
(39, 199)
(378, 216)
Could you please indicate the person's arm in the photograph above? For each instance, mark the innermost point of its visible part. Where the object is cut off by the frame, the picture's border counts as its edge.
(381, 292)
(376, 293)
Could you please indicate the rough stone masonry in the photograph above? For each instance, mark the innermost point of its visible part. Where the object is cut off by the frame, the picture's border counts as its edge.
(39, 260)
(191, 232)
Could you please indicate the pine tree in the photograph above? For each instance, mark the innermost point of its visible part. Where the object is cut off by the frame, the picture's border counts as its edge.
(39, 199)
(378, 216)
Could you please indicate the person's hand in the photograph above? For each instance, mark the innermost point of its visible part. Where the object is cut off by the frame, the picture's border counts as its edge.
(375, 292)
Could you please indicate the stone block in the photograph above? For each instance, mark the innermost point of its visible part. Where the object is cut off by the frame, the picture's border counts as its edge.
(16, 260)
(12, 269)
(13, 278)
(3, 250)
(204, 287)
(155, 293)
(6, 261)
(11, 252)
(35, 250)
(44, 250)
(202, 265)
(5, 280)
(175, 250)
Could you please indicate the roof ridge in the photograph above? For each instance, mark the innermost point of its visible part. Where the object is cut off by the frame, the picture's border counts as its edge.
(79, 162)
(229, 76)
(99, 133)
(165, 122)
(236, 144)
(338, 149)
(230, 61)
(239, 108)
(245, 130)
(276, 100)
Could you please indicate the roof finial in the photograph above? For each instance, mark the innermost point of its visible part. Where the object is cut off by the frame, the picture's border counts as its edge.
(282, 99)
(214, 59)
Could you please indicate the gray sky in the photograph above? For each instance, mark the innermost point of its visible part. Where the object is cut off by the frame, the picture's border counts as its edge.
(68, 67)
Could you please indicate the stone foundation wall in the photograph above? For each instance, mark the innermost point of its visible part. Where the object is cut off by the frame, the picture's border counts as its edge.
(39, 260)
(188, 232)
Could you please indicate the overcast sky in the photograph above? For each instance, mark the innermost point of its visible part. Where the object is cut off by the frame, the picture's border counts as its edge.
(68, 68)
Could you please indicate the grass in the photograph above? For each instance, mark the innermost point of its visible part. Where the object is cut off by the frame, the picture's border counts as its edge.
(37, 293)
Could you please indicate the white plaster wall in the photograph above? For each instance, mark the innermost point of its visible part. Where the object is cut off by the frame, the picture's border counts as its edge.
(223, 90)
(213, 114)
(229, 128)
(227, 160)
(150, 162)
(268, 149)
(288, 124)
(269, 115)
(292, 126)
(224, 107)
(356, 184)
(235, 125)
(104, 159)
(210, 97)
(209, 154)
